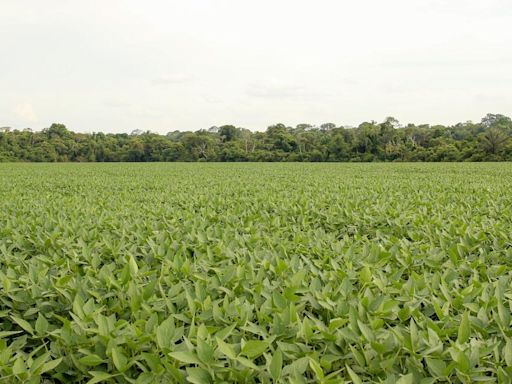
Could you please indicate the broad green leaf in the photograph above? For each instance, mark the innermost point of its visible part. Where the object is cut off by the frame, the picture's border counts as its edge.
(406, 379)
(507, 352)
(23, 324)
(154, 361)
(165, 333)
(226, 349)
(297, 367)
(366, 331)
(99, 377)
(464, 329)
(38, 363)
(365, 275)
(204, 351)
(319, 373)
(276, 364)
(246, 362)
(41, 325)
(119, 359)
(50, 365)
(198, 376)
(353, 376)
(254, 348)
(437, 367)
(19, 367)
(186, 357)
(8, 333)
(134, 268)
(91, 360)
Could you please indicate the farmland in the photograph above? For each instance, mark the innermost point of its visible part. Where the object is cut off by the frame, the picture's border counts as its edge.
(293, 273)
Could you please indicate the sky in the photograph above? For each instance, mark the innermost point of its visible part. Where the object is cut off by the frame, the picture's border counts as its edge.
(165, 65)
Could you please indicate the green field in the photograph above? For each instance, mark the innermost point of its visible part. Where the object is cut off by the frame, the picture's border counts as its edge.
(293, 273)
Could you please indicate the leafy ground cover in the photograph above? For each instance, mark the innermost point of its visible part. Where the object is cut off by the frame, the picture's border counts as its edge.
(293, 273)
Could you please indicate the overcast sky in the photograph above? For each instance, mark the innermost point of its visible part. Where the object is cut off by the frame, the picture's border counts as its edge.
(164, 65)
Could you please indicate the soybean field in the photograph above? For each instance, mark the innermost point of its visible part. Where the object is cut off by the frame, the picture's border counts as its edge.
(256, 273)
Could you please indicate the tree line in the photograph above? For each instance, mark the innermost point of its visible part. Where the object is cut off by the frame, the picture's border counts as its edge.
(487, 140)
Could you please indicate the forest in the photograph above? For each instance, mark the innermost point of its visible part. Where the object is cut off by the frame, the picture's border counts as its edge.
(487, 140)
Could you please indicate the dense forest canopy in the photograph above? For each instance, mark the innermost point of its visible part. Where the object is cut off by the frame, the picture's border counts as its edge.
(488, 140)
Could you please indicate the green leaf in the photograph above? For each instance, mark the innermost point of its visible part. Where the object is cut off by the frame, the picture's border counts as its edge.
(204, 351)
(38, 363)
(185, 357)
(366, 331)
(18, 367)
(99, 377)
(317, 369)
(358, 356)
(297, 367)
(91, 360)
(365, 275)
(464, 329)
(165, 333)
(246, 362)
(198, 376)
(41, 325)
(507, 353)
(119, 359)
(503, 313)
(254, 348)
(437, 367)
(23, 324)
(154, 361)
(51, 365)
(226, 348)
(413, 331)
(8, 333)
(149, 289)
(463, 362)
(134, 268)
(406, 379)
(276, 364)
(279, 300)
(355, 378)
(147, 378)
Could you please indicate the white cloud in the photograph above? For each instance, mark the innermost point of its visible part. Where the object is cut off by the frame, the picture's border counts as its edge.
(275, 89)
(25, 113)
(212, 99)
(117, 103)
(172, 78)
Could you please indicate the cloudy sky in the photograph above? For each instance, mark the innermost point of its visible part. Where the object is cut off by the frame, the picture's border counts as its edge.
(163, 65)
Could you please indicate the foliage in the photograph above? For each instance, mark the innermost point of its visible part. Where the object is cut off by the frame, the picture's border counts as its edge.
(489, 140)
(291, 273)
